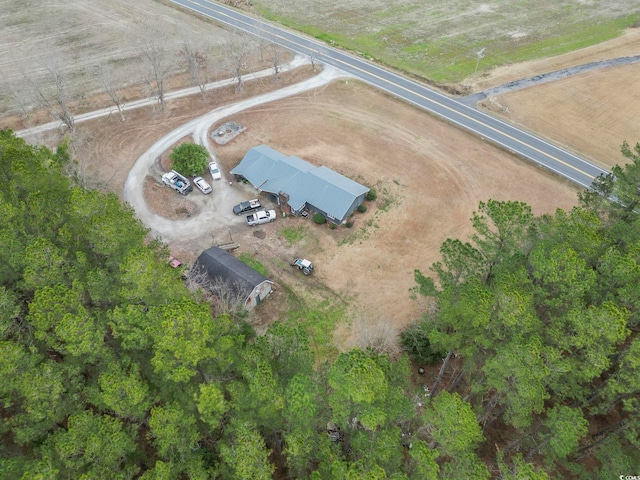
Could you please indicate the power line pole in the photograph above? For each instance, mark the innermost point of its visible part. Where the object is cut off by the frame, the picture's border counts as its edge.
(480, 55)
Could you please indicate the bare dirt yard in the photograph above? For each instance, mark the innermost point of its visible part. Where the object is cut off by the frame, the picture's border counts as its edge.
(429, 176)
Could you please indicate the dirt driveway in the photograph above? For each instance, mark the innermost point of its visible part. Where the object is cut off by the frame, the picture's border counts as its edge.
(207, 214)
(429, 176)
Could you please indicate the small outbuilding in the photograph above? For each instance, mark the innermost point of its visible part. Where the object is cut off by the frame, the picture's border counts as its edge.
(222, 268)
(299, 185)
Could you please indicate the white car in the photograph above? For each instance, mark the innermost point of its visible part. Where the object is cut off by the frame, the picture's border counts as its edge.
(215, 172)
(202, 185)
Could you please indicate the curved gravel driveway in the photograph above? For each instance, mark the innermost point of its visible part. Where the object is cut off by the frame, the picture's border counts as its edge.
(215, 212)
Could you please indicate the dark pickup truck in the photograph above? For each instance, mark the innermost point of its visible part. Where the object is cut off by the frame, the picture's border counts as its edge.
(248, 206)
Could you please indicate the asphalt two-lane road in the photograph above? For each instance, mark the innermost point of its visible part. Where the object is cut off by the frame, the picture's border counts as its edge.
(511, 138)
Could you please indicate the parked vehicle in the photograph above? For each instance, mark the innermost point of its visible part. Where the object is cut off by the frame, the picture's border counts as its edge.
(214, 171)
(176, 181)
(248, 206)
(260, 217)
(303, 264)
(202, 185)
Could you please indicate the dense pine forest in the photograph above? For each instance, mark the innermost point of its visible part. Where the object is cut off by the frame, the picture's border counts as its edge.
(112, 368)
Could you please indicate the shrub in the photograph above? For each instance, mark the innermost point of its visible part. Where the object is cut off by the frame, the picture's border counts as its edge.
(415, 342)
(319, 218)
(362, 208)
(348, 224)
(333, 226)
(371, 195)
(189, 159)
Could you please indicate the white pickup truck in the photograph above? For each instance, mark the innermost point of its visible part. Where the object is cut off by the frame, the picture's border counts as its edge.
(176, 181)
(260, 217)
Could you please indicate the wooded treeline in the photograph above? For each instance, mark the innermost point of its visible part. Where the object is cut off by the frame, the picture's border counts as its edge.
(545, 314)
(112, 368)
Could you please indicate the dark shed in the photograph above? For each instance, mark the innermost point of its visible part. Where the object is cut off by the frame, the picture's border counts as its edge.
(221, 265)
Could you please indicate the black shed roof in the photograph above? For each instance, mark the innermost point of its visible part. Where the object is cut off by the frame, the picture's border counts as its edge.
(221, 264)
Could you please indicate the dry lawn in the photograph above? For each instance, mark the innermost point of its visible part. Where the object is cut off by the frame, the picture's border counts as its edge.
(429, 176)
(591, 113)
(74, 37)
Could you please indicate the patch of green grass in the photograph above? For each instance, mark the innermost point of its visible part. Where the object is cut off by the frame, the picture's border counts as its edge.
(447, 61)
(389, 199)
(292, 234)
(449, 54)
(15, 20)
(363, 233)
(296, 301)
(391, 12)
(577, 37)
(290, 23)
(320, 322)
(385, 198)
(253, 263)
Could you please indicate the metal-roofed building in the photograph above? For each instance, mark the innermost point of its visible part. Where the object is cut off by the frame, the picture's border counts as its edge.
(301, 185)
(226, 271)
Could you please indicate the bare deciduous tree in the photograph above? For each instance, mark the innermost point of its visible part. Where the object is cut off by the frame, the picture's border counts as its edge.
(54, 99)
(275, 58)
(197, 279)
(79, 171)
(314, 57)
(197, 64)
(106, 79)
(238, 49)
(228, 298)
(262, 44)
(21, 97)
(158, 60)
(378, 335)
